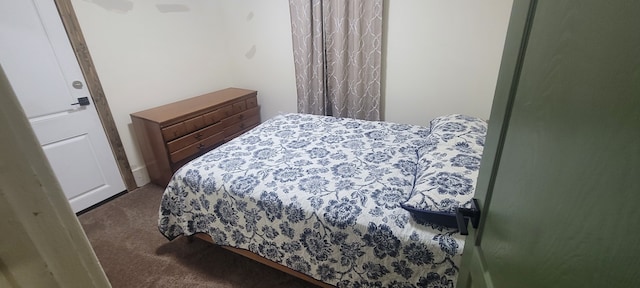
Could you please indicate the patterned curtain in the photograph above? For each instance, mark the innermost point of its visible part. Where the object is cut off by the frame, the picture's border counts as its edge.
(337, 53)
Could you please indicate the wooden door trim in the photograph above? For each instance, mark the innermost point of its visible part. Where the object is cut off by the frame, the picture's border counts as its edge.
(76, 38)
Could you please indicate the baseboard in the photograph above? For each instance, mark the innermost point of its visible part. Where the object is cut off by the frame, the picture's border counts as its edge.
(141, 176)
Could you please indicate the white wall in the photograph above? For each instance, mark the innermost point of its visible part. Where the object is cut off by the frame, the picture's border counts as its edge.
(147, 54)
(441, 56)
(262, 53)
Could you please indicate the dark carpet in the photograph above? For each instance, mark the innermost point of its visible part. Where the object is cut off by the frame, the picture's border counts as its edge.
(133, 253)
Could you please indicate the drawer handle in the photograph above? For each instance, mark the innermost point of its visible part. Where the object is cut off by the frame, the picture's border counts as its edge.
(198, 136)
(200, 146)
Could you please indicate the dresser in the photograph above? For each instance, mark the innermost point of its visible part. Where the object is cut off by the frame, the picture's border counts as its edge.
(171, 135)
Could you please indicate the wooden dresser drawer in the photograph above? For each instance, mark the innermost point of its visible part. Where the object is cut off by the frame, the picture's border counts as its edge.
(227, 111)
(194, 137)
(171, 135)
(241, 127)
(194, 123)
(240, 117)
(182, 128)
(252, 102)
(174, 131)
(239, 107)
(197, 148)
(214, 116)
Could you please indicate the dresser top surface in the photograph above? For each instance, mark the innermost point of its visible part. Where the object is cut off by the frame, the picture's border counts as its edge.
(192, 105)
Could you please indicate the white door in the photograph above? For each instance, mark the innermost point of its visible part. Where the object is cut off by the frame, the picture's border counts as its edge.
(44, 73)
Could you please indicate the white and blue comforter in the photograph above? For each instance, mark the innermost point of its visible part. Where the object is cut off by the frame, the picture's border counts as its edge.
(320, 195)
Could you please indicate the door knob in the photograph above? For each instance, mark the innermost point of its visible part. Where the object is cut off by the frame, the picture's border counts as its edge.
(472, 213)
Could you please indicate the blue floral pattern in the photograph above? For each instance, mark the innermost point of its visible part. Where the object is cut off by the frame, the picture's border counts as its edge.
(322, 196)
(448, 164)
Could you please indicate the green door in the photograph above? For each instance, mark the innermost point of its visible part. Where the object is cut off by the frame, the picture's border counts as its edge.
(559, 186)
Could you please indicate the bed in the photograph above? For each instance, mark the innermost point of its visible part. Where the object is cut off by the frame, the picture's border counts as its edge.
(337, 201)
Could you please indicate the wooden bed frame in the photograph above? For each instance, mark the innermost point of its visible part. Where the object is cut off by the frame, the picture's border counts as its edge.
(265, 261)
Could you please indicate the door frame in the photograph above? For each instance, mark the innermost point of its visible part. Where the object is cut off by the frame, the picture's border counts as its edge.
(515, 48)
(34, 208)
(80, 49)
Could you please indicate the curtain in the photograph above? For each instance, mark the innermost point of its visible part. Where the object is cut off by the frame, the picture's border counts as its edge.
(337, 53)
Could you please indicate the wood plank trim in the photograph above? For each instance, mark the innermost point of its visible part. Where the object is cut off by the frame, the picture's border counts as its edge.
(267, 262)
(76, 38)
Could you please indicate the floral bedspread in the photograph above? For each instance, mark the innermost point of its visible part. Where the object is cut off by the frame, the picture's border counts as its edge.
(320, 195)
